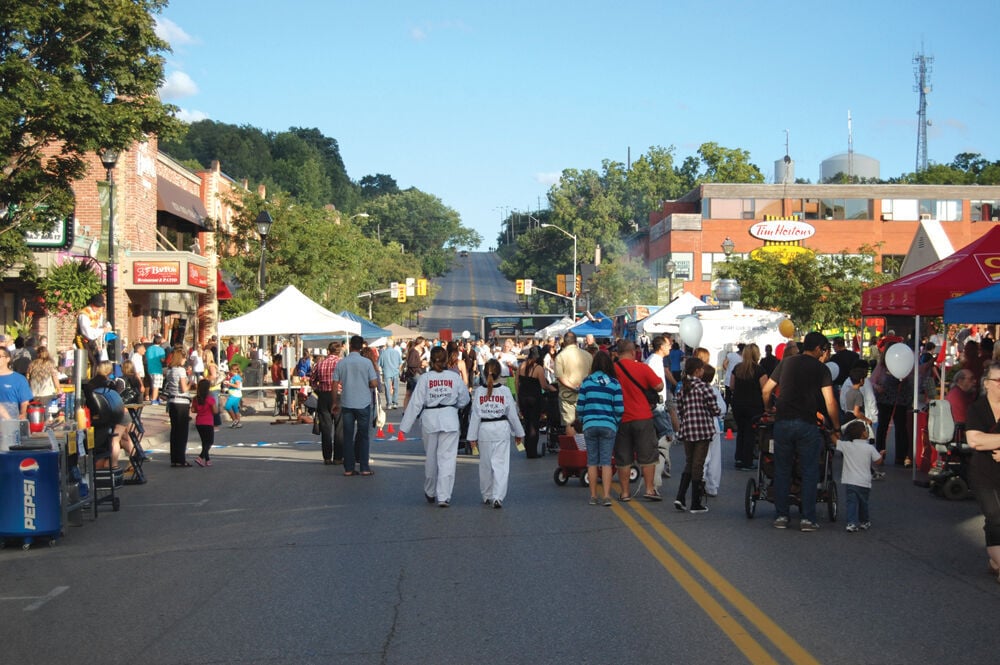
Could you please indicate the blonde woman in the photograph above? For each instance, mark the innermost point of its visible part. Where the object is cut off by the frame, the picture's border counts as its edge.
(176, 388)
(43, 376)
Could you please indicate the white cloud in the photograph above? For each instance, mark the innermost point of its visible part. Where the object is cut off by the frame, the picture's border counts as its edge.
(548, 178)
(418, 34)
(177, 86)
(189, 116)
(172, 33)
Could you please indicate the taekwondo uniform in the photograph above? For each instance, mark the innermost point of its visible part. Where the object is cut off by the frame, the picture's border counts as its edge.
(493, 420)
(436, 400)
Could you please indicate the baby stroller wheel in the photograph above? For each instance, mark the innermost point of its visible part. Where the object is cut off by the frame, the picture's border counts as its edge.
(750, 499)
(560, 476)
(955, 489)
(831, 500)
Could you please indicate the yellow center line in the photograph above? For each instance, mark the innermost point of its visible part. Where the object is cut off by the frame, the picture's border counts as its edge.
(752, 649)
(782, 640)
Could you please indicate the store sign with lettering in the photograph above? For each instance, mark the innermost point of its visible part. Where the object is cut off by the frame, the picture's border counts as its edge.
(782, 230)
(197, 276)
(157, 272)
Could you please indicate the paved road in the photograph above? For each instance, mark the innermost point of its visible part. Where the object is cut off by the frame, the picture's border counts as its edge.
(474, 288)
(271, 557)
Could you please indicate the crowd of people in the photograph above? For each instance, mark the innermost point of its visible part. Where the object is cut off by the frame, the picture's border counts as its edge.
(626, 404)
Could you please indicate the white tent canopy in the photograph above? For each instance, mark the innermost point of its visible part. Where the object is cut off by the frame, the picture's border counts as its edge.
(667, 318)
(289, 313)
(555, 329)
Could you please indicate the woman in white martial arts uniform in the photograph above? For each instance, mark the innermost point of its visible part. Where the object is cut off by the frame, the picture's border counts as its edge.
(494, 419)
(437, 398)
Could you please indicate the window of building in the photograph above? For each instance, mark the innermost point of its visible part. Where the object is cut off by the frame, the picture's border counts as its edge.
(805, 208)
(984, 211)
(891, 263)
(900, 210)
(941, 210)
(709, 261)
(831, 208)
(682, 266)
(767, 207)
(857, 209)
(730, 209)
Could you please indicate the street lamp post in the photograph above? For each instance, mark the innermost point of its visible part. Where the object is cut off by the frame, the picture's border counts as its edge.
(671, 267)
(109, 158)
(263, 225)
(728, 247)
(567, 233)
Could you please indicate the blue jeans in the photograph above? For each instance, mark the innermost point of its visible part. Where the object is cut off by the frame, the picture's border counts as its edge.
(661, 421)
(803, 438)
(857, 503)
(391, 386)
(600, 444)
(357, 423)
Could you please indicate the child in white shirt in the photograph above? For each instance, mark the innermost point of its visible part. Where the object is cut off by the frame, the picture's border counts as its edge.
(856, 477)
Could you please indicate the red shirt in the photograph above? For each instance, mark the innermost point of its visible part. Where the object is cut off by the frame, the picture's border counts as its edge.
(323, 373)
(636, 406)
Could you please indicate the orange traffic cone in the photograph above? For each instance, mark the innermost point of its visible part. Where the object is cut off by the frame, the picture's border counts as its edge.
(379, 434)
(729, 434)
(401, 437)
(389, 428)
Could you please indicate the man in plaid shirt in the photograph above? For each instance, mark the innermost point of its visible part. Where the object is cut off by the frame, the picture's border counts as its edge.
(636, 438)
(321, 381)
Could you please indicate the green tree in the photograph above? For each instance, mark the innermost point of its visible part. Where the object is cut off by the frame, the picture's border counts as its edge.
(620, 283)
(727, 165)
(422, 225)
(76, 77)
(816, 292)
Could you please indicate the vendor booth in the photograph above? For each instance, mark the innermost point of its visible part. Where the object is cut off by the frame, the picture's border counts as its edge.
(290, 312)
(666, 320)
(600, 326)
(982, 306)
(924, 293)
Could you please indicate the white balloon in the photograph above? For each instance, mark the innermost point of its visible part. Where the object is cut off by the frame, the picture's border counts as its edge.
(691, 331)
(899, 360)
(466, 334)
(834, 370)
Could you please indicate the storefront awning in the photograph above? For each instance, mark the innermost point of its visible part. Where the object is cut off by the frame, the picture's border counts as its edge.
(172, 199)
(223, 290)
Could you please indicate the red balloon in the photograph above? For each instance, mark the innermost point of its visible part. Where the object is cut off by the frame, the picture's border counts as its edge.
(779, 351)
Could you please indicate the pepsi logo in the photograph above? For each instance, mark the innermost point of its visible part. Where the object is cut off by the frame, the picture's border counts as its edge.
(29, 466)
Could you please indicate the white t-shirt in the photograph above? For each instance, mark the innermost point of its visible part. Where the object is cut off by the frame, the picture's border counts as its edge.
(655, 363)
(859, 455)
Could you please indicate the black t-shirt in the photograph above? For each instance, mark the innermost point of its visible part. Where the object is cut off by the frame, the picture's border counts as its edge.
(746, 392)
(800, 380)
(846, 360)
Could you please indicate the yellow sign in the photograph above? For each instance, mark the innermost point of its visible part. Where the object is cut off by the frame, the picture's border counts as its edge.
(785, 253)
(421, 287)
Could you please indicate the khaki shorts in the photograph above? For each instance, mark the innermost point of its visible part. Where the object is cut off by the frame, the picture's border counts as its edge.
(567, 409)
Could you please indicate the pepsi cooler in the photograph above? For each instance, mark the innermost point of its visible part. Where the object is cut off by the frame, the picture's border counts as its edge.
(29, 494)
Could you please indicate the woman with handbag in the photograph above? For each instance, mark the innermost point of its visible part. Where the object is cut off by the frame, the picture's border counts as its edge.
(176, 387)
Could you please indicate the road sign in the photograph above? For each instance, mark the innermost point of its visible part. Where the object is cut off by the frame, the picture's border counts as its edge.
(527, 287)
(393, 290)
(421, 287)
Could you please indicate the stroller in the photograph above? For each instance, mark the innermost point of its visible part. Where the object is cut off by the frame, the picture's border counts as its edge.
(949, 477)
(761, 488)
(573, 464)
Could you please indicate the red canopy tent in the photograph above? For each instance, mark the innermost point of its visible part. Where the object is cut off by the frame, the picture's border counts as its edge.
(974, 267)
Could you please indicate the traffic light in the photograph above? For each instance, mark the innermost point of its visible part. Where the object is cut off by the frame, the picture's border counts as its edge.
(401, 296)
(528, 286)
(519, 287)
(561, 283)
(579, 284)
(421, 287)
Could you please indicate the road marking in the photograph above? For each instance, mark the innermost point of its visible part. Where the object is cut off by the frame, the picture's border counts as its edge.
(46, 598)
(720, 615)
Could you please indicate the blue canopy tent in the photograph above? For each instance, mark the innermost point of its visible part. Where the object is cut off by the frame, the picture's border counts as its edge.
(369, 330)
(982, 306)
(601, 326)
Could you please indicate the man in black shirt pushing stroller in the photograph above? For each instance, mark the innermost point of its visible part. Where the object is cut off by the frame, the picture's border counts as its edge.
(806, 389)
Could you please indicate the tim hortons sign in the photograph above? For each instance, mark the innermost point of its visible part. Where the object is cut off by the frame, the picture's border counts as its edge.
(782, 230)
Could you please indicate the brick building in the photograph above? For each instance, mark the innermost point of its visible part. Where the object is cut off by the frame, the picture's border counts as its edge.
(166, 278)
(690, 231)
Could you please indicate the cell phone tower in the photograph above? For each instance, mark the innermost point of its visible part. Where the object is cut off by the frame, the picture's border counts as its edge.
(922, 67)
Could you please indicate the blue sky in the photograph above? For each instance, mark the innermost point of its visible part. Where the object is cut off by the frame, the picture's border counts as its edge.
(483, 104)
